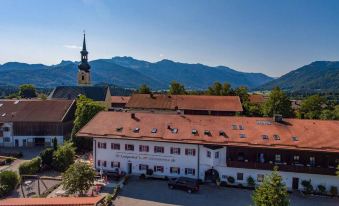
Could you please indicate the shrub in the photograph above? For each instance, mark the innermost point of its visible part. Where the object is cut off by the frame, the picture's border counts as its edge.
(230, 179)
(31, 167)
(63, 157)
(322, 189)
(108, 200)
(308, 188)
(334, 190)
(8, 181)
(47, 157)
(250, 181)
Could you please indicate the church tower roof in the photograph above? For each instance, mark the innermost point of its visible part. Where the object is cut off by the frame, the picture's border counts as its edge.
(84, 66)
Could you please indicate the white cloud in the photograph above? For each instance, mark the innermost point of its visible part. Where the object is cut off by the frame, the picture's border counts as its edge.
(69, 46)
(161, 55)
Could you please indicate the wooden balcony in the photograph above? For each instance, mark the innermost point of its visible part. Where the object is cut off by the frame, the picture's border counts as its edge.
(282, 167)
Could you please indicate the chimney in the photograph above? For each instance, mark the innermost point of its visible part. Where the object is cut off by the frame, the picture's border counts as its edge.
(151, 95)
(277, 118)
(133, 115)
(168, 126)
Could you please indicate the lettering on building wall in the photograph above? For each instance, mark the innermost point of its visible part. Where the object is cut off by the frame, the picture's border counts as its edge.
(132, 156)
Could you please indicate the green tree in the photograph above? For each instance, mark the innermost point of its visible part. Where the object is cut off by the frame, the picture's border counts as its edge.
(219, 89)
(327, 114)
(47, 157)
(312, 107)
(78, 178)
(86, 110)
(64, 156)
(9, 179)
(176, 88)
(242, 92)
(278, 103)
(27, 91)
(272, 192)
(144, 89)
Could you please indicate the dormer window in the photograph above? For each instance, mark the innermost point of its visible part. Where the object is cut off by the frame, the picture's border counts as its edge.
(136, 130)
(264, 137)
(174, 130)
(242, 136)
(207, 132)
(234, 127)
(276, 137)
(154, 130)
(119, 129)
(194, 131)
(241, 127)
(295, 138)
(222, 133)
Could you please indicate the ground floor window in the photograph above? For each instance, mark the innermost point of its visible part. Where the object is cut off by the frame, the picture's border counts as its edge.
(159, 169)
(240, 176)
(175, 170)
(260, 177)
(115, 164)
(102, 163)
(143, 167)
(189, 171)
(7, 139)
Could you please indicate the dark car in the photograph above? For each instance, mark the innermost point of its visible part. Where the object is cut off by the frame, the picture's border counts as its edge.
(184, 183)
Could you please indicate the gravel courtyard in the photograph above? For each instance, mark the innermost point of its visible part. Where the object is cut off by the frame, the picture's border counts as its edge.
(155, 193)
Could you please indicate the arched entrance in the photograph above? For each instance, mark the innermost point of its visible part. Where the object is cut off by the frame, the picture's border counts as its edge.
(211, 175)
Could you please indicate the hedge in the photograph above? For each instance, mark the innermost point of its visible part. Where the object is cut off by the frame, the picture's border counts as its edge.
(31, 167)
(8, 181)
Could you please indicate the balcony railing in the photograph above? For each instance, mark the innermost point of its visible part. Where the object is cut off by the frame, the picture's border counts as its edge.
(282, 167)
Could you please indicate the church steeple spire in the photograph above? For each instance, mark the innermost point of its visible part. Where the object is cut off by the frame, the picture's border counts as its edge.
(84, 77)
(84, 43)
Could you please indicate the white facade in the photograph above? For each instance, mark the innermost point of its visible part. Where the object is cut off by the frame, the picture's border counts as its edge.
(9, 140)
(193, 166)
(7, 134)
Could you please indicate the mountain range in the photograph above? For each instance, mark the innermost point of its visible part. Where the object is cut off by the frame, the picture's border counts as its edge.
(319, 76)
(129, 73)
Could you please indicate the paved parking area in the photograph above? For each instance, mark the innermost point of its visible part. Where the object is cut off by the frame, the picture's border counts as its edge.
(155, 193)
(28, 154)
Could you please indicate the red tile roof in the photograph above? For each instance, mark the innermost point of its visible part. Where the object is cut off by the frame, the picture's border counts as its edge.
(317, 135)
(34, 110)
(185, 102)
(257, 98)
(56, 201)
(120, 99)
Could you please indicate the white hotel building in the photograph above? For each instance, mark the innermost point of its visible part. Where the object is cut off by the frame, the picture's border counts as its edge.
(208, 147)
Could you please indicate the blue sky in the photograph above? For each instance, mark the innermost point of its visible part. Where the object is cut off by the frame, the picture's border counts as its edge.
(266, 36)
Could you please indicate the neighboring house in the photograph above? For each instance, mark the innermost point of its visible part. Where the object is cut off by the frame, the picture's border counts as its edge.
(55, 201)
(35, 122)
(118, 103)
(212, 147)
(99, 94)
(257, 98)
(186, 104)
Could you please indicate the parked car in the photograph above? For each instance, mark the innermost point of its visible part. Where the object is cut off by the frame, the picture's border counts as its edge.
(184, 183)
(115, 174)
